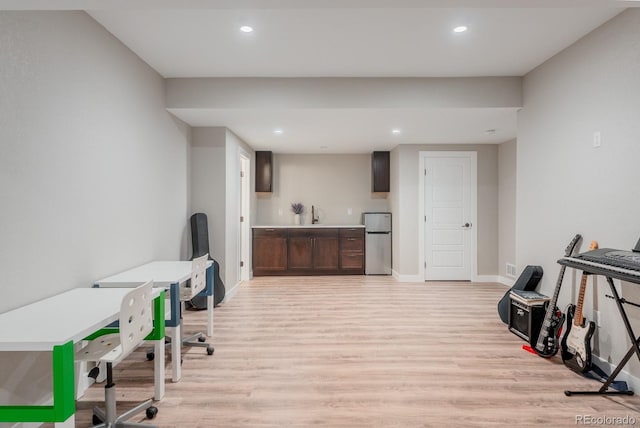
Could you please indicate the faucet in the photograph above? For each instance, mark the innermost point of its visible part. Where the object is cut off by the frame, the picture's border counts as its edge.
(314, 219)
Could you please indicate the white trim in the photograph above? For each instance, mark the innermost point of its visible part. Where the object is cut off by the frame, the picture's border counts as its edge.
(633, 382)
(229, 293)
(474, 207)
(486, 278)
(506, 281)
(406, 278)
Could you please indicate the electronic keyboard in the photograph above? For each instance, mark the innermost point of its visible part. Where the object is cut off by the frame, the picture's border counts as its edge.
(628, 272)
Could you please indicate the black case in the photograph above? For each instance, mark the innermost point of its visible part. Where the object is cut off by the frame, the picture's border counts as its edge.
(200, 245)
(528, 280)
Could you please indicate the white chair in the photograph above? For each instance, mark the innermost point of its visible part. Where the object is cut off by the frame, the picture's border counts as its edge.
(136, 322)
(190, 289)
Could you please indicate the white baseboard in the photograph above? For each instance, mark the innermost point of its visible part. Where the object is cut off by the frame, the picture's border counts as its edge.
(633, 382)
(406, 278)
(478, 278)
(486, 278)
(506, 281)
(229, 293)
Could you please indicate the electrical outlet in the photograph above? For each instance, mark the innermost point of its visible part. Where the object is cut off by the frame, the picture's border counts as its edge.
(598, 320)
(596, 139)
(349, 211)
(280, 211)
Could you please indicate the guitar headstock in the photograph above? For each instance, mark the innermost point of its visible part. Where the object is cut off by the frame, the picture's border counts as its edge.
(572, 245)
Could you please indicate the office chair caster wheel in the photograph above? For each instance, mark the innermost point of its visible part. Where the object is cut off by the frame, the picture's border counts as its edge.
(151, 356)
(201, 339)
(209, 350)
(96, 420)
(152, 412)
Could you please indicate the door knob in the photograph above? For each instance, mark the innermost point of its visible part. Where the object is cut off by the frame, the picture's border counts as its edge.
(466, 225)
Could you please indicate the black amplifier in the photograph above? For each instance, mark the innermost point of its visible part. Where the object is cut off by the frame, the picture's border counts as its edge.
(526, 313)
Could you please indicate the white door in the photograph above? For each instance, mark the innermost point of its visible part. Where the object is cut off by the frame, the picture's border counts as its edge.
(449, 208)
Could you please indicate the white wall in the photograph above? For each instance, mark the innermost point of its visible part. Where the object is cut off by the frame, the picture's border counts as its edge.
(564, 184)
(506, 206)
(331, 183)
(215, 176)
(93, 170)
(405, 164)
(234, 146)
(208, 184)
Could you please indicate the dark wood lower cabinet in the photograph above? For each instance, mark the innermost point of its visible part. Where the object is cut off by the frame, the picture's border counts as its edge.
(308, 251)
(325, 253)
(352, 250)
(269, 251)
(300, 253)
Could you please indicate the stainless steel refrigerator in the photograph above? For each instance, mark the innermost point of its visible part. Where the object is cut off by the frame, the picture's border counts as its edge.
(377, 227)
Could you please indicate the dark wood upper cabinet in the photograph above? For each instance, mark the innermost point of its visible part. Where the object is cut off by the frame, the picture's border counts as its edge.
(264, 172)
(380, 169)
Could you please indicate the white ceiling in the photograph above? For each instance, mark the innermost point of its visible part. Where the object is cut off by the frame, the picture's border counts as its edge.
(346, 38)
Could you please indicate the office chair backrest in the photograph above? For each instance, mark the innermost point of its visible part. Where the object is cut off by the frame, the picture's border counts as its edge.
(136, 317)
(198, 280)
(200, 243)
(199, 274)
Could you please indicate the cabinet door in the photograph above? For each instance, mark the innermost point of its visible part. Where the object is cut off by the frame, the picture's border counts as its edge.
(269, 254)
(300, 252)
(325, 253)
(264, 171)
(380, 167)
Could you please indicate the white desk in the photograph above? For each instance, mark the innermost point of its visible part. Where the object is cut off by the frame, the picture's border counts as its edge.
(55, 324)
(169, 275)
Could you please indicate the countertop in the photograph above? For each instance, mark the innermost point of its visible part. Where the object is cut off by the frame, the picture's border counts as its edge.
(310, 226)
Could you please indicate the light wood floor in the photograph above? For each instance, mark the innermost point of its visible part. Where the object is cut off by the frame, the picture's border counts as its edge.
(362, 352)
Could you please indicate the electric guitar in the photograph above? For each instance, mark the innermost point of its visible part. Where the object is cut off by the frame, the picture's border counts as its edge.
(576, 342)
(547, 344)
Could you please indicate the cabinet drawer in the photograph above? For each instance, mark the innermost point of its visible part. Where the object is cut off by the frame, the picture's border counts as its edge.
(352, 232)
(352, 261)
(352, 244)
(271, 232)
(313, 232)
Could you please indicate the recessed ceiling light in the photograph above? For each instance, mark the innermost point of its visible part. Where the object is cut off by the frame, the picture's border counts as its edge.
(460, 29)
(277, 131)
(395, 131)
(246, 29)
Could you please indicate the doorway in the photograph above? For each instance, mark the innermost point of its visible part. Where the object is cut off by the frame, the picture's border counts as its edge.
(448, 210)
(245, 209)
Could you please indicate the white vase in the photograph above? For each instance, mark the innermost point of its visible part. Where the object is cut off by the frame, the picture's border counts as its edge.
(296, 219)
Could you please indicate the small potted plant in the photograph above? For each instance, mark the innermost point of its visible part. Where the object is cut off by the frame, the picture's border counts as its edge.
(297, 209)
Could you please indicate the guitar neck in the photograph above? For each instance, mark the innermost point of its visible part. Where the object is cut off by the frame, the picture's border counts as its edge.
(579, 317)
(551, 309)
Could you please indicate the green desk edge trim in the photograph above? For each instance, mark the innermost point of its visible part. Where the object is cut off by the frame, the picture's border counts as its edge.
(64, 400)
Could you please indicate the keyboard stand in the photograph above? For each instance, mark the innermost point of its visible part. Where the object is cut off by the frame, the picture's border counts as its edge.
(635, 340)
